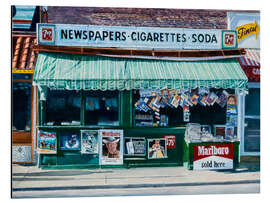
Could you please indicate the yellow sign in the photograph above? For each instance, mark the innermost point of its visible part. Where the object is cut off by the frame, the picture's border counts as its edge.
(23, 71)
(244, 31)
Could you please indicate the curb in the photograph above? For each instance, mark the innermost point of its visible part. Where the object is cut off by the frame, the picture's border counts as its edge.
(131, 186)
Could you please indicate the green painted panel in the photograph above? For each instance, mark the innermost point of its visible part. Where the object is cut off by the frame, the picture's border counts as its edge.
(74, 159)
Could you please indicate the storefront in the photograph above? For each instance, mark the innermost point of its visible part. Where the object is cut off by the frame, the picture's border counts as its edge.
(24, 19)
(247, 26)
(128, 106)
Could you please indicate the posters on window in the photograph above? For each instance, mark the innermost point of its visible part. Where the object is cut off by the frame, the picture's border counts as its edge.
(70, 141)
(89, 141)
(231, 114)
(157, 148)
(47, 142)
(111, 147)
(134, 146)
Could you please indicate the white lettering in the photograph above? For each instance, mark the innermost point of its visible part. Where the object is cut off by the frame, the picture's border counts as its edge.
(213, 150)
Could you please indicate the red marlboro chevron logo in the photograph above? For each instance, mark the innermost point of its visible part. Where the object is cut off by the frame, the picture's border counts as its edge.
(221, 150)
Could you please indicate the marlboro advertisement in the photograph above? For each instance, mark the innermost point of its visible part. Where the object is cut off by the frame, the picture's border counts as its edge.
(213, 156)
(47, 142)
(111, 147)
(89, 141)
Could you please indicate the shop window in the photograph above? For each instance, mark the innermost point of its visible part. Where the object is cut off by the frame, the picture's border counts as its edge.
(21, 106)
(252, 121)
(63, 107)
(178, 107)
(101, 108)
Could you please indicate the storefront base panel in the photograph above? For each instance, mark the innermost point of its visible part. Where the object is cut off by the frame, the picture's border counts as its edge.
(76, 160)
(189, 154)
(135, 165)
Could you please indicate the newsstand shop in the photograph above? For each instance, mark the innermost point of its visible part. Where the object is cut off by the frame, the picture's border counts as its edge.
(136, 96)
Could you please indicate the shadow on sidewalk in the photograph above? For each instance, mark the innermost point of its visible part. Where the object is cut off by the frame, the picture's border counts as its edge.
(244, 168)
(60, 173)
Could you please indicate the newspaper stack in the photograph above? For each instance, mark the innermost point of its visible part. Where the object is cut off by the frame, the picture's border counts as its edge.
(193, 132)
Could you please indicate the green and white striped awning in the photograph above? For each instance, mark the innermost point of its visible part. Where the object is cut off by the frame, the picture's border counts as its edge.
(76, 72)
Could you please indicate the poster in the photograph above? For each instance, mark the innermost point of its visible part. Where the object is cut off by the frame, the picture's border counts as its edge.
(111, 147)
(213, 156)
(157, 148)
(134, 146)
(170, 141)
(89, 141)
(70, 141)
(231, 114)
(47, 142)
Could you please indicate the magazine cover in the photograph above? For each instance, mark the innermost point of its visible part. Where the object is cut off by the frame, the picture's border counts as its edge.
(157, 148)
(111, 147)
(89, 141)
(70, 141)
(134, 146)
(47, 143)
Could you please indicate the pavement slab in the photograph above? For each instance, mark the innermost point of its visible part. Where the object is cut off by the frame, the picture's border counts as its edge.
(27, 177)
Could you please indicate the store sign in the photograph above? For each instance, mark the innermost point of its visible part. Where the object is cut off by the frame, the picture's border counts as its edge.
(170, 141)
(134, 37)
(111, 147)
(247, 26)
(213, 156)
(47, 142)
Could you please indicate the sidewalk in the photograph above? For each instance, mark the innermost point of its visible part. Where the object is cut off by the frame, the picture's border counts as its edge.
(31, 178)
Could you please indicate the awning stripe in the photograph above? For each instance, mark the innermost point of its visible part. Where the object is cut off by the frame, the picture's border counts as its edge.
(66, 71)
(252, 58)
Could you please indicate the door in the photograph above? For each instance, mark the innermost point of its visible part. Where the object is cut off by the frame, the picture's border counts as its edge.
(252, 122)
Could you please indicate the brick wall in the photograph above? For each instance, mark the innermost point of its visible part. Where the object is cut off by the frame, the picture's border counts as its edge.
(143, 17)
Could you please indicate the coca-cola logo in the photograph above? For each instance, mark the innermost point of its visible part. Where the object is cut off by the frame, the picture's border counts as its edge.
(47, 34)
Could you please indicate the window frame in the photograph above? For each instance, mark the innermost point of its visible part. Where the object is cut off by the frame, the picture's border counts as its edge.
(43, 109)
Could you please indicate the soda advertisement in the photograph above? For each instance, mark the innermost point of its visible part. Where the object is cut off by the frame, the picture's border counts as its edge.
(70, 141)
(89, 141)
(111, 147)
(213, 156)
(47, 143)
